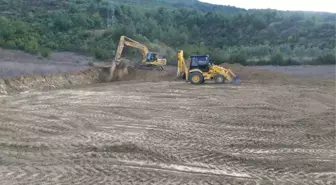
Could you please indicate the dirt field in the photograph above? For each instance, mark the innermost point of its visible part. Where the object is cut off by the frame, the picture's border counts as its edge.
(320, 71)
(271, 129)
(16, 63)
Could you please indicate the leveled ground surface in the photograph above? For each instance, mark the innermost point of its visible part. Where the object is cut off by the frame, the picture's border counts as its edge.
(170, 132)
(152, 129)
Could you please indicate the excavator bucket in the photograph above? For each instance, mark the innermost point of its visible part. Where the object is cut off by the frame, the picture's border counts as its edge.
(112, 71)
(119, 70)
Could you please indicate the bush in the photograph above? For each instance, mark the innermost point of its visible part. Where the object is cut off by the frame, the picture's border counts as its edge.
(277, 58)
(31, 46)
(329, 58)
(90, 63)
(238, 58)
(262, 62)
(2, 42)
(291, 61)
(45, 52)
(101, 54)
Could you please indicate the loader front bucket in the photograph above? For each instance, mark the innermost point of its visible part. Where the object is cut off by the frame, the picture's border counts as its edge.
(236, 80)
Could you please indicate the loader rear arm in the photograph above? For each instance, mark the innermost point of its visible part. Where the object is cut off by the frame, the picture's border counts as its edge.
(182, 68)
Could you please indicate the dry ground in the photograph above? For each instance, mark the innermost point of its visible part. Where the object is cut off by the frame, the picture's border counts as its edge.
(16, 63)
(152, 129)
(320, 71)
(170, 132)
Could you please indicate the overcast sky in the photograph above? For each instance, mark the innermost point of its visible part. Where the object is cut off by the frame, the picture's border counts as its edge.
(312, 5)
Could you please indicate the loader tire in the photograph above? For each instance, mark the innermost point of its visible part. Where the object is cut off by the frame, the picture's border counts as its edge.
(219, 79)
(196, 78)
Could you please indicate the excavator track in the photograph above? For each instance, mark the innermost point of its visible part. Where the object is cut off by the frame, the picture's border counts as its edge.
(149, 67)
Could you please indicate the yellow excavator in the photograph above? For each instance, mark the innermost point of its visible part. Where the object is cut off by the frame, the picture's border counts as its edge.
(201, 69)
(150, 60)
(118, 68)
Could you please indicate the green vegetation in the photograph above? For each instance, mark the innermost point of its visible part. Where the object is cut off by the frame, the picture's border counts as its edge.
(228, 34)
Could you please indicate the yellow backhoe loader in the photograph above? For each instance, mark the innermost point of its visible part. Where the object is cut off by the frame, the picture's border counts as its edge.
(201, 69)
(150, 60)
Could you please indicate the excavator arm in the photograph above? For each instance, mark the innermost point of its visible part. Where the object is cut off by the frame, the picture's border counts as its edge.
(131, 43)
(128, 42)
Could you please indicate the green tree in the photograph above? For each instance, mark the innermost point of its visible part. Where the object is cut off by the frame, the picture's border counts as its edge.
(244, 36)
(277, 58)
(31, 46)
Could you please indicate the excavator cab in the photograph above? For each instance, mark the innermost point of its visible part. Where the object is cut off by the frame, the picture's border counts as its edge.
(153, 60)
(151, 57)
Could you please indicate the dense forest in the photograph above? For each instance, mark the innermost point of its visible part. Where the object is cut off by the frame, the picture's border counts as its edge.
(227, 34)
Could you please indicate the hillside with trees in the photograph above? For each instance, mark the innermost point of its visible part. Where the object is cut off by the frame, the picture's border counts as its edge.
(228, 34)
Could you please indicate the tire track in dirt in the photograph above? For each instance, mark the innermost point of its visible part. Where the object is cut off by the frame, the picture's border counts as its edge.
(122, 137)
(331, 152)
(235, 162)
(129, 174)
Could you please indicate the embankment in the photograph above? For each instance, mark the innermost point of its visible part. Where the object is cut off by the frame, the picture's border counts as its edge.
(51, 81)
(86, 77)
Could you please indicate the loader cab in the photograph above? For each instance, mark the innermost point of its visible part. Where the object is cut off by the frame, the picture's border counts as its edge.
(201, 62)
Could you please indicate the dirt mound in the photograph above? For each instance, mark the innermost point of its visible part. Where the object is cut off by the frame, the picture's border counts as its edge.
(247, 73)
(151, 76)
(43, 82)
(86, 77)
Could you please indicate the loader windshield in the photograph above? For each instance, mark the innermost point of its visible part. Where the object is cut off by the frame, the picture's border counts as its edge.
(203, 60)
(199, 60)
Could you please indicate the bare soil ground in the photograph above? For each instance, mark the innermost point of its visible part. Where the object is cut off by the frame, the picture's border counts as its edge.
(153, 129)
(17, 63)
(320, 71)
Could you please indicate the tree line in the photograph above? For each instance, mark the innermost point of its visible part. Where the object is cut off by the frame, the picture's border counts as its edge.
(254, 37)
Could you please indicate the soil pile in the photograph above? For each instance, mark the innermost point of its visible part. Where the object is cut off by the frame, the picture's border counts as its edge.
(44, 82)
(123, 73)
(168, 74)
